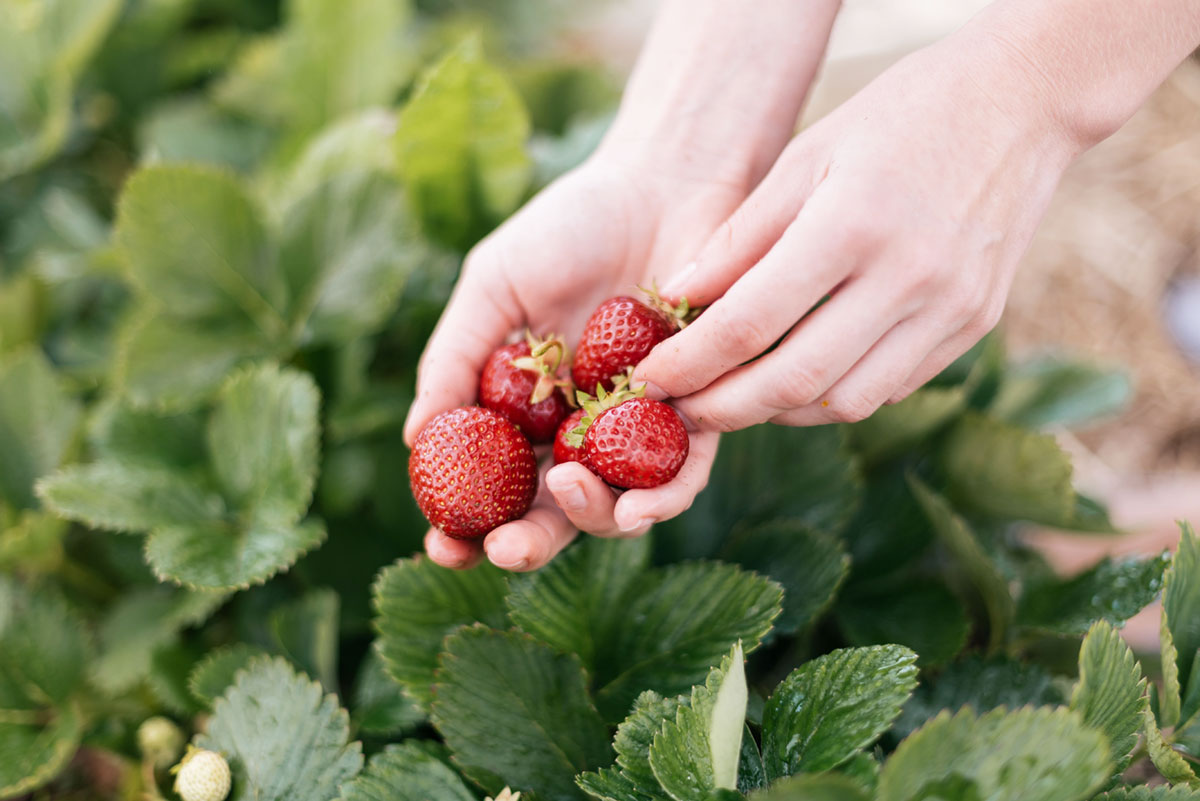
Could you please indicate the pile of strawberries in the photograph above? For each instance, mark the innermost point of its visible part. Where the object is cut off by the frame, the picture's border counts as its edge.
(473, 468)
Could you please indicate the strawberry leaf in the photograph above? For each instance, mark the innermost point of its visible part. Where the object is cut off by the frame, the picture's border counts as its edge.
(284, 739)
(1181, 599)
(306, 632)
(1170, 763)
(898, 427)
(632, 778)
(380, 707)
(215, 673)
(1026, 755)
(1111, 693)
(37, 424)
(514, 712)
(405, 772)
(810, 787)
(460, 147)
(1051, 391)
(1111, 591)
(833, 707)
(1160, 793)
(418, 603)
(925, 616)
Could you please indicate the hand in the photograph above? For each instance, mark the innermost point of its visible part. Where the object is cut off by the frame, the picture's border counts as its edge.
(909, 207)
(596, 233)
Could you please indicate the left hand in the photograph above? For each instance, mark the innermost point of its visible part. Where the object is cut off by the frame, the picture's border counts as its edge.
(909, 206)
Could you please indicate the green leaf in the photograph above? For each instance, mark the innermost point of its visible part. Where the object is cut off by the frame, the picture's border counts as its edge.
(43, 654)
(1026, 755)
(1112, 591)
(168, 678)
(215, 673)
(1181, 599)
(983, 684)
(306, 631)
(681, 621)
(195, 131)
(511, 708)
(122, 434)
(44, 47)
(576, 603)
(924, 616)
(1111, 692)
(405, 772)
(170, 364)
(765, 473)
(327, 60)
(810, 566)
(834, 706)
(194, 241)
(752, 774)
(1003, 471)
(418, 603)
(347, 249)
(223, 556)
(825, 787)
(894, 429)
(632, 778)
(124, 497)
(361, 142)
(139, 623)
(1160, 793)
(890, 530)
(985, 578)
(1050, 390)
(1170, 763)
(380, 706)
(460, 147)
(37, 424)
(263, 440)
(283, 739)
(698, 751)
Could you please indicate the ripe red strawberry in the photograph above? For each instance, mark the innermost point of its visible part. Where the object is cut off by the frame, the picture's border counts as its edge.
(618, 335)
(521, 382)
(472, 470)
(630, 441)
(564, 451)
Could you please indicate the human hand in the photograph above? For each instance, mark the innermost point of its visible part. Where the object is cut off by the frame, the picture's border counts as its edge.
(909, 206)
(598, 232)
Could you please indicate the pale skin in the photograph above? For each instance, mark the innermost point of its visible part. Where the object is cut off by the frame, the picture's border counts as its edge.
(910, 205)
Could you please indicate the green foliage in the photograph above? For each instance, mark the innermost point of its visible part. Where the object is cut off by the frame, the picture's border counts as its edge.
(1111, 693)
(216, 672)
(1112, 591)
(1160, 793)
(37, 424)
(1049, 390)
(405, 772)
(283, 738)
(821, 787)
(1181, 599)
(925, 617)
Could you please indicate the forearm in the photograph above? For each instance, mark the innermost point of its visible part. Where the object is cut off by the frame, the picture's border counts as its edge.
(1087, 65)
(719, 80)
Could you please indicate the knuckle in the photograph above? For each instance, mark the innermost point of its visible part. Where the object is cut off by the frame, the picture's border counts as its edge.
(798, 388)
(744, 338)
(852, 408)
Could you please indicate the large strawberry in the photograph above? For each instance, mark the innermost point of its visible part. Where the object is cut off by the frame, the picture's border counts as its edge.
(630, 441)
(620, 333)
(564, 451)
(521, 382)
(471, 470)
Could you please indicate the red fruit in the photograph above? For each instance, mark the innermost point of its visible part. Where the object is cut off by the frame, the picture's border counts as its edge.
(472, 470)
(637, 444)
(520, 381)
(564, 451)
(618, 335)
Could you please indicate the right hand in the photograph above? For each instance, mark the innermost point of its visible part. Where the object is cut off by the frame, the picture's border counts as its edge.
(604, 229)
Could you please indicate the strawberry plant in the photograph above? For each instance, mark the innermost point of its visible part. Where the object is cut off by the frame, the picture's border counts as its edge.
(227, 230)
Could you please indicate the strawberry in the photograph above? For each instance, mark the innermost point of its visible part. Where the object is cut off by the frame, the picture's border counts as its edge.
(630, 441)
(521, 382)
(202, 776)
(160, 741)
(564, 451)
(620, 333)
(471, 470)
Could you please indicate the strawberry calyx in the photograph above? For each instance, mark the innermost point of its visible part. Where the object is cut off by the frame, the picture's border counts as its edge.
(546, 356)
(595, 405)
(680, 314)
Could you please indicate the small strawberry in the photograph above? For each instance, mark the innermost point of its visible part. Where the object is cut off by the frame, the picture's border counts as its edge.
(471, 470)
(630, 441)
(564, 451)
(160, 741)
(202, 776)
(521, 382)
(620, 333)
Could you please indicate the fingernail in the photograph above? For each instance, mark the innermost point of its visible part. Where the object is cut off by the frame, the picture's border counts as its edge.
(569, 494)
(645, 521)
(508, 556)
(679, 280)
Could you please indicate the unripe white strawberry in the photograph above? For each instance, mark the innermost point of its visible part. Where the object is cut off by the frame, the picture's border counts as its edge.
(202, 776)
(160, 741)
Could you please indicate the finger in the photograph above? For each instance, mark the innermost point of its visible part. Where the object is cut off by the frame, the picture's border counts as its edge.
(803, 266)
(452, 553)
(535, 539)
(818, 352)
(637, 510)
(938, 360)
(746, 236)
(476, 321)
(585, 499)
(874, 379)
